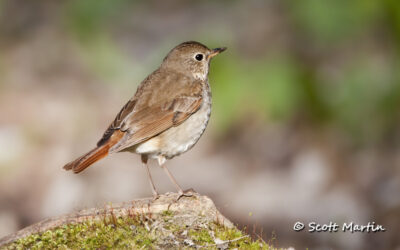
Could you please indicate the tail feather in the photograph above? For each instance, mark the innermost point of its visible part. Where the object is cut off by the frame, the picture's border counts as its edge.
(88, 159)
(94, 155)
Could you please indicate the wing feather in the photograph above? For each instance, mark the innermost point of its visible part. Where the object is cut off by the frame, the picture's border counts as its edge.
(163, 100)
(155, 122)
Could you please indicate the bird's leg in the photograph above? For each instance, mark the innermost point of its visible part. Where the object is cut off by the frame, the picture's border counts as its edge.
(153, 188)
(161, 161)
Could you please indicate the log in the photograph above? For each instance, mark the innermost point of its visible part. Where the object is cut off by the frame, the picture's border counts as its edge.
(167, 222)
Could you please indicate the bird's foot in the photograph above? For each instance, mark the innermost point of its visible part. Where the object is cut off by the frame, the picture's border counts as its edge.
(155, 196)
(187, 193)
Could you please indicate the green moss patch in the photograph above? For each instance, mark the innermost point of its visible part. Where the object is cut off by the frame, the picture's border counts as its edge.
(138, 232)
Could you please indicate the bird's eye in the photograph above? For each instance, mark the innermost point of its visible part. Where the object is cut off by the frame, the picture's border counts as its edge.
(199, 57)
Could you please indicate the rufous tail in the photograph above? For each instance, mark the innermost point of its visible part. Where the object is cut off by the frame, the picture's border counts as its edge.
(94, 155)
(88, 159)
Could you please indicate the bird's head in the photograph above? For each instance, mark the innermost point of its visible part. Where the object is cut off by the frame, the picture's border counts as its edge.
(191, 58)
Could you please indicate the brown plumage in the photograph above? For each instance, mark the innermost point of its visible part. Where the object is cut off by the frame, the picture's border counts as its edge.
(155, 121)
(93, 155)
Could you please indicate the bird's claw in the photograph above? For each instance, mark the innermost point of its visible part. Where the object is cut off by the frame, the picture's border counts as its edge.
(156, 196)
(187, 193)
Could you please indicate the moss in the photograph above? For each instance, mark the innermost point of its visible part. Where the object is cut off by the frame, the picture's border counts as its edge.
(136, 232)
(167, 214)
(208, 236)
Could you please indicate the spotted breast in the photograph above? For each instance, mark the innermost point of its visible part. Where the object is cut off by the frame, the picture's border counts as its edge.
(179, 139)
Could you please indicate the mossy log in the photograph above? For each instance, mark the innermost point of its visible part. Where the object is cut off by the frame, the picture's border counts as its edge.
(190, 222)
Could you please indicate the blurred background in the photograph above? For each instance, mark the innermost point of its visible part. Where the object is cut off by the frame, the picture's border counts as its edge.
(305, 123)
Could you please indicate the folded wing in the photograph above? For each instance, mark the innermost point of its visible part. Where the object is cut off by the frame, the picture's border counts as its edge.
(160, 103)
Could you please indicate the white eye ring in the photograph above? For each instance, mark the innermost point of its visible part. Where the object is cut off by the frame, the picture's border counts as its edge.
(199, 57)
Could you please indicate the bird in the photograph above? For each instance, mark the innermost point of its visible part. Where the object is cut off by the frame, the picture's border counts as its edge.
(166, 116)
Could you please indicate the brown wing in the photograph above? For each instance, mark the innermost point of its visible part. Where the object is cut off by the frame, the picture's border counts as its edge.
(125, 111)
(163, 100)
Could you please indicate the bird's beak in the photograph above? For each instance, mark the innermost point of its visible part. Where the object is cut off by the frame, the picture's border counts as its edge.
(216, 51)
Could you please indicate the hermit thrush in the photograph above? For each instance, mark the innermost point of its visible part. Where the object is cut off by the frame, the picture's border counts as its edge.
(166, 116)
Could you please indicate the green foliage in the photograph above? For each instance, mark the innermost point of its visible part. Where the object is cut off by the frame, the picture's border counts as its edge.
(332, 21)
(392, 8)
(357, 97)
(89, 22)
(86, 18)
(268, 88)
(105, 59)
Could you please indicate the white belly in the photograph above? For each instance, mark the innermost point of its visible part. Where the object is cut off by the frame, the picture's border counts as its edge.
(179, 139)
